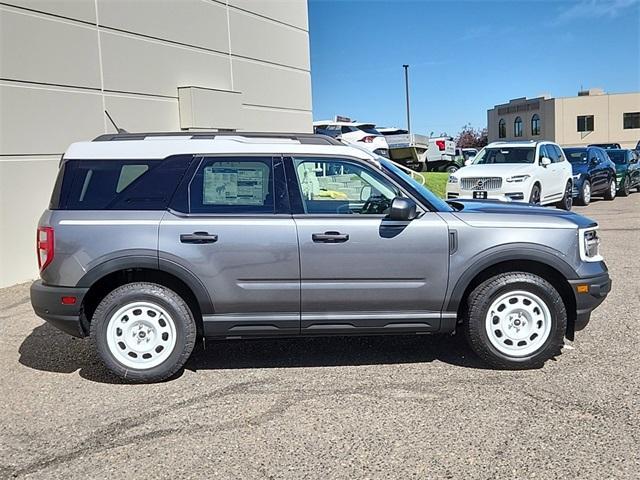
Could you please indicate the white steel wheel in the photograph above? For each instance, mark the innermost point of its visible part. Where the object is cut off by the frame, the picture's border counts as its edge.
(518, 323)
(141, 335)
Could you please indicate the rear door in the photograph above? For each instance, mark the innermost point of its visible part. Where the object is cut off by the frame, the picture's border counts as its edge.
(360, 272)
(230, 226)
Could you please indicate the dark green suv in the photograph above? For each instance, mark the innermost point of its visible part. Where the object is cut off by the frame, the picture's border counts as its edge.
(627, 170)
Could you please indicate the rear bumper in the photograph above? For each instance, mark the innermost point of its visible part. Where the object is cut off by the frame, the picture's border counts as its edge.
(46, 301)
(598, 289)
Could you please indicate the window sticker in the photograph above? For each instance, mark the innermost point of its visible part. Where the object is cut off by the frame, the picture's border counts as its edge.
(235, 184)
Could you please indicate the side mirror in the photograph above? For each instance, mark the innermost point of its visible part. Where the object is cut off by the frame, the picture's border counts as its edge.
(545, 161)
(402, 209)
(468, 162)
(365, 193)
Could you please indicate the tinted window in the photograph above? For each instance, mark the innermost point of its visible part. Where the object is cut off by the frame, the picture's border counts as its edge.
(369, 129)
(618, 157)
(557, 153)
(544, 153)
(232, 185)
(631, 120)
(585, 123)
(576, 155)
(342, 187)
(119, 184)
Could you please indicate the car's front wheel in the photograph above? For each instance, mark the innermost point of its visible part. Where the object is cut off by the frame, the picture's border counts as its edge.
(625, 189)
(585, 193)
(567, 200)
(515, 320)
(143, 332)
(610, 193)
(536, 195)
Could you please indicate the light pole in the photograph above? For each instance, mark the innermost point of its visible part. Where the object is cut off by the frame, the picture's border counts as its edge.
(406, 88)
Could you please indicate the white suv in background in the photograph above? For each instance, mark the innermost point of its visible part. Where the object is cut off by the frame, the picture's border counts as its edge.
(534, 172)
(362, 134)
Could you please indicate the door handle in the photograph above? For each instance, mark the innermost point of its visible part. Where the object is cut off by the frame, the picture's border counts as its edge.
(198, 237)
(329, 237)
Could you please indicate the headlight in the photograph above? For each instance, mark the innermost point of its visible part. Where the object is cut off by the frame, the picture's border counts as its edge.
(518, 178)
(452, 179)
(576, 177)
(589, 245)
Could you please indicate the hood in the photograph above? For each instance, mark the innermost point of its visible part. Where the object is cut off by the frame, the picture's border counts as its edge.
(495, 213)
(494, 170)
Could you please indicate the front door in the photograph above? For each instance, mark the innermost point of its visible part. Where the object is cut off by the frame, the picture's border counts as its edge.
(236, 235)
(361, 272)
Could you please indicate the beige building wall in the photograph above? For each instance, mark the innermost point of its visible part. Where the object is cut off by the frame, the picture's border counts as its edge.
(559, 118)
(241, 64)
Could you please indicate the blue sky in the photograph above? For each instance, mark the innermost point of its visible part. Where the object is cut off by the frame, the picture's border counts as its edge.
(465, 57)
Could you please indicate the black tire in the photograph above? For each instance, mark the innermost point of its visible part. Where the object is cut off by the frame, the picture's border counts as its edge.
(169, 301)
(480, 301)
(452, 168)
(567, 200)
(584, 198)
(610, 192)
(625, 190)
(536, 194)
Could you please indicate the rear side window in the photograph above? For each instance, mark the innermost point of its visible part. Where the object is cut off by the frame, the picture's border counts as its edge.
(233, 185)
(118, 184)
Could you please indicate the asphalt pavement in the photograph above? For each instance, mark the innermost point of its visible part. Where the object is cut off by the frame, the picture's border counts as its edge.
(347, 408)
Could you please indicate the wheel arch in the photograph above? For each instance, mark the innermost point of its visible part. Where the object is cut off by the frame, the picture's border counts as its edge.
(113, 273)
(555, 270)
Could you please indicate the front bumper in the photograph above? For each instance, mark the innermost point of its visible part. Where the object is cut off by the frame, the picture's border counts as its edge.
(46, 301)
(597, 288)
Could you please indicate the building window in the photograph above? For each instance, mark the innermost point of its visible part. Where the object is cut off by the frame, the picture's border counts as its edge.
(631, 120)
(585, 123)
(502, 128)
(517, 127)
(535, 125)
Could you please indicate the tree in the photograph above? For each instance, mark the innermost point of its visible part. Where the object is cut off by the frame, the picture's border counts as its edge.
(470, 137)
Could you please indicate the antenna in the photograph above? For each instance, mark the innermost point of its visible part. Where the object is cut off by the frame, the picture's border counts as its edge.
(118, 129)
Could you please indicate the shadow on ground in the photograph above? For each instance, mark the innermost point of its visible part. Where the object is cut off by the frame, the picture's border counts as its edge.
(49, 350)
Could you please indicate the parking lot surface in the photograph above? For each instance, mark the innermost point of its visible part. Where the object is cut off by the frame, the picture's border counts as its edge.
(382, 407)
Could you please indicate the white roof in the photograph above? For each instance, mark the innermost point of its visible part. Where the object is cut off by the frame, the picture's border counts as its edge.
(341, 124)
(521, 143)
(162, 147)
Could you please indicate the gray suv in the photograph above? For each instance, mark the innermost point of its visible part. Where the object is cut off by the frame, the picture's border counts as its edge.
(152, 241)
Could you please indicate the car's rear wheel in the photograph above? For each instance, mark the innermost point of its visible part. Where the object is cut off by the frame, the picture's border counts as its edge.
(567, 200)
(452, 169)
(143, 332)
(625, 189)
(535, 194)
(611, 191)
(585, 193)
(515, 320)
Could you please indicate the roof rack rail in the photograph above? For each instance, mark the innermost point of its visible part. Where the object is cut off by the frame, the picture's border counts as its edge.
(303, 138)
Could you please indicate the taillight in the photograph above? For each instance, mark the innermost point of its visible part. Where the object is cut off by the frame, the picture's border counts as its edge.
(368, 139)
(440, 144)
(44, 246)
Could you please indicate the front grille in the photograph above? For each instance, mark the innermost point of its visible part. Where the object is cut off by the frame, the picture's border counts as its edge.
(481, 183)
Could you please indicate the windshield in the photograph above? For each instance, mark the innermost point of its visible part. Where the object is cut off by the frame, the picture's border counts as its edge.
(617, 156)
(505, 155)
(439, 204)
(576, 155)
(368, 129)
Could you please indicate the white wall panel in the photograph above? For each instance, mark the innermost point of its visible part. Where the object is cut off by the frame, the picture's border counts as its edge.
(292, 12)
(45, 49)
(140, 114)
(139, 65)
(192, 22)
(263, 84)
(273, 120)
(45, 121)
(83, 10)
(254, 37)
